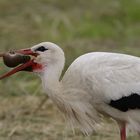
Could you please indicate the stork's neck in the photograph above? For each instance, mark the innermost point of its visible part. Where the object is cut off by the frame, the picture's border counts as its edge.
(50, 79)
(77, 110)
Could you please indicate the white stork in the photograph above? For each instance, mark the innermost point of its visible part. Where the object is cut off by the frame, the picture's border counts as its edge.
(96, 84)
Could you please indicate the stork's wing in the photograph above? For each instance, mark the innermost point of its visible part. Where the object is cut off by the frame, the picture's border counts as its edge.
(116, 79)
(120, 80)
(111, 74)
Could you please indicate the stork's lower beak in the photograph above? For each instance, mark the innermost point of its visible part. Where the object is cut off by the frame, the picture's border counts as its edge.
(28, 66)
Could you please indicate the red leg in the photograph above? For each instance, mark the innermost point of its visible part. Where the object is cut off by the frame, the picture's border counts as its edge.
(123, 132)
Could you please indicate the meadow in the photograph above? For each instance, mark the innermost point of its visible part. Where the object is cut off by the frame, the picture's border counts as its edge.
(78, 26)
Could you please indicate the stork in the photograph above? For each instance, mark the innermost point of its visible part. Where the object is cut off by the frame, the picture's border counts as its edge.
(96, 84)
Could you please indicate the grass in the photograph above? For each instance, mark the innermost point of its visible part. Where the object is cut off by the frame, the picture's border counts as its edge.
(18, 121)
(78, 27)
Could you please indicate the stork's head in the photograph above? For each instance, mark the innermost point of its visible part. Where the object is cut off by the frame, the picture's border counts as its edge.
(44, 55)
(48, 54)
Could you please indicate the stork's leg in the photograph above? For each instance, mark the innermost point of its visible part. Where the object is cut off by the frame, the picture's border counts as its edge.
(123, 131)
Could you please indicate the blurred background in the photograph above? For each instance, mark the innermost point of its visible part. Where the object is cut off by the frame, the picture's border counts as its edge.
(78, 26)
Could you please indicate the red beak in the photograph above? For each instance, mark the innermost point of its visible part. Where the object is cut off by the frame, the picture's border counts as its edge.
(27, 51)
(28, 66)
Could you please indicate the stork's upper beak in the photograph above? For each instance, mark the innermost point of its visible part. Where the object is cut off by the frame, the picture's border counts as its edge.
(27, 51)
(28, 66)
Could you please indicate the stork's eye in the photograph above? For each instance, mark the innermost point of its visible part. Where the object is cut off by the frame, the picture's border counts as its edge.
(41, 49)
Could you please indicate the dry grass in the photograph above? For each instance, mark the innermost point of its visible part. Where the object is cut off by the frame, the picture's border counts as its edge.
(19, 122)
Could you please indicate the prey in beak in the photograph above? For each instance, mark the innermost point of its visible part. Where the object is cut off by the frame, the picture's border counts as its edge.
(22, 59)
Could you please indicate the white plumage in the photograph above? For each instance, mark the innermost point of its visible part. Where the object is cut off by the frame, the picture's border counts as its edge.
(91, 86)
(104, 77)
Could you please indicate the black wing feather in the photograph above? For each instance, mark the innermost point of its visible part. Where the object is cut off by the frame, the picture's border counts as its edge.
(127, 103)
